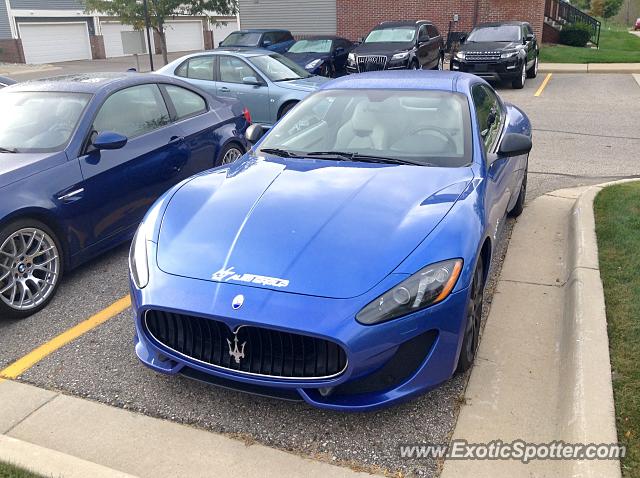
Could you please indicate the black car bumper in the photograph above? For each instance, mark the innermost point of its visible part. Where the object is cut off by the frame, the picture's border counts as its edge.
(507, 69)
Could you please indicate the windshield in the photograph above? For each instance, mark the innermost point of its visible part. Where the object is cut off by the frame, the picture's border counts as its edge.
(391, 35)
(430, 128)
(504, 33)
(34, 122)
(311, 46)
(241, 39)
(278, 67)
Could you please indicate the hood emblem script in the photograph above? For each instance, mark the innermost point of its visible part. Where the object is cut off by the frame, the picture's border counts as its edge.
(234, 351)
(237, 302)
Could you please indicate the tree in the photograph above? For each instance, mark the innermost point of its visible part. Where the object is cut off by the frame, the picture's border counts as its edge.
(611, 8)
(597, 8)
(131, 12)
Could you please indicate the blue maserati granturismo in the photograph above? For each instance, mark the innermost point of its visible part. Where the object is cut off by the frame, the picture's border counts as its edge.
(81, 160)
(342, 260)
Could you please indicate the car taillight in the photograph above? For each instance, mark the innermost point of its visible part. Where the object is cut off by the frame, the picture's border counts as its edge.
(247, 115)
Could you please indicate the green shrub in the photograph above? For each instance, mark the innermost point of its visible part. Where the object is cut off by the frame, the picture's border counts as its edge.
(575, 35)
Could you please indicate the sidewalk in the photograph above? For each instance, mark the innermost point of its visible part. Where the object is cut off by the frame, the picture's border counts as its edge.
(63, 436)
(543, 372)
(589, 68)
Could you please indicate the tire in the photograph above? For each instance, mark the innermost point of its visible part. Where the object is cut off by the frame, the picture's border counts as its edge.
(519, 206)
(31, 267)
(286, 108)
(229, 154)
(519, 82)
(473, 320)
(533, 71)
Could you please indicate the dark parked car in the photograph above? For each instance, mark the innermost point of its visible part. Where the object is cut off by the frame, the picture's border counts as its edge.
(274, 40)
(499, 51)
(4, 81)
(399, 45)
(322, 55)
(81, 160)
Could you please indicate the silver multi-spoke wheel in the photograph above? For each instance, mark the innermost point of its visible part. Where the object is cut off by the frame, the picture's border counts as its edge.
(29, 268)
(231, 155)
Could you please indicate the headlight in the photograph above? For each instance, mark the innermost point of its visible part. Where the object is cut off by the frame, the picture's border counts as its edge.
(428, 286)
(509, 54)
(400, 56)
(460, 55)
(313, 64)
(351, 58)
(138, 263)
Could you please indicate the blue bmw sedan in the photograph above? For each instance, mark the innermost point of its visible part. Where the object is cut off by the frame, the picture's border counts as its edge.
(343, 260)
(81, 160)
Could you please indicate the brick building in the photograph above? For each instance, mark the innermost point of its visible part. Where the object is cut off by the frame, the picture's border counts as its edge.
(354, 18)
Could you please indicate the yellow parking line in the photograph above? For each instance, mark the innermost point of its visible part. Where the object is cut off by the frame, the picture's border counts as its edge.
(544, 84)
(23, 364)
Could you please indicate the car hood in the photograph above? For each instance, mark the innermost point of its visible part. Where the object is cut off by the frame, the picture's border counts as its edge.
(490, 46)
(304, 59)
(17, 166)
(319, 228)
(303, 84)
(382, 48)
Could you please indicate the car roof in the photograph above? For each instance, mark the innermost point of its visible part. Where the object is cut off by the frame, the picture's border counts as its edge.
(410, 80)
(499, 24)
(88, 82)
(322, 37)
(402, 23)
(260, 30)
(237, 50)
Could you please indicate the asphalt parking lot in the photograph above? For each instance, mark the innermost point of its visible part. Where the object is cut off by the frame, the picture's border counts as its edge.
(585, 132)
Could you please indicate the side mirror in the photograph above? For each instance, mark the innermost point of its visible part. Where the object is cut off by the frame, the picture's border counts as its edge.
(109, 140)
(251, 80)
(514, 144)
(463, 38)
(254, 133)
(340, 50)
(530, 37)
(267, 43)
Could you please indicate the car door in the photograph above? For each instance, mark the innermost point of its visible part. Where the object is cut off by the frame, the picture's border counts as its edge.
(491, 118)
(121, 184)
(199, 71)
(531, 44)
(270, 41)
(190, 112)
(233, 74)
(341, 49)
(435, 43)
(422, 49)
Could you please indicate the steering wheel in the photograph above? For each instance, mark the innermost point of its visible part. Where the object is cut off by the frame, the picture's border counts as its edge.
(440, 131)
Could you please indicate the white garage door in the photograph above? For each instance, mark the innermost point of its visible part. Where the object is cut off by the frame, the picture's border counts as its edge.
(113, 39)
(220, 31)
(52, 42)
(184, 35)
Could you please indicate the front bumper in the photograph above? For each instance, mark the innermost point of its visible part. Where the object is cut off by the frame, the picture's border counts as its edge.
(387, 362)
(507, 69)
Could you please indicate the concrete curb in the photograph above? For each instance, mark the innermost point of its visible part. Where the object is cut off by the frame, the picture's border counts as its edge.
(543, 372)
(47, 462)
(589, 67)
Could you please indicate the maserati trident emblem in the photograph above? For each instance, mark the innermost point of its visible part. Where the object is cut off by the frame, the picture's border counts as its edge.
(234, 351)
(237, 302)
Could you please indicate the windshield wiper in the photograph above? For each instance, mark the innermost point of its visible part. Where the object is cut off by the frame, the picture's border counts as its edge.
(8, 150)
(283, 153)
(365, 158)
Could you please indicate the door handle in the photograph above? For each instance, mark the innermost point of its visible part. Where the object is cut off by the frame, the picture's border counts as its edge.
(224, 89)
(175, 139)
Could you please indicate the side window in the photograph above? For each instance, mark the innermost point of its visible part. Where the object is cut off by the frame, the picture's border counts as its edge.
(200, 68)
(423, 32)
(187, 103)
(528, 29)
(133, 111)
(489, 114)
(270, 38)
(233, 70)
(433, 31)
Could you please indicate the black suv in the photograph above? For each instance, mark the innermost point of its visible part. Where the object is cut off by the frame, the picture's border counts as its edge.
(398, 45)
(499, 51)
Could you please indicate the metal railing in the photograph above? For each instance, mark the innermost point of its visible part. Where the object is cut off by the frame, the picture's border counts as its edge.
(565, 13)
